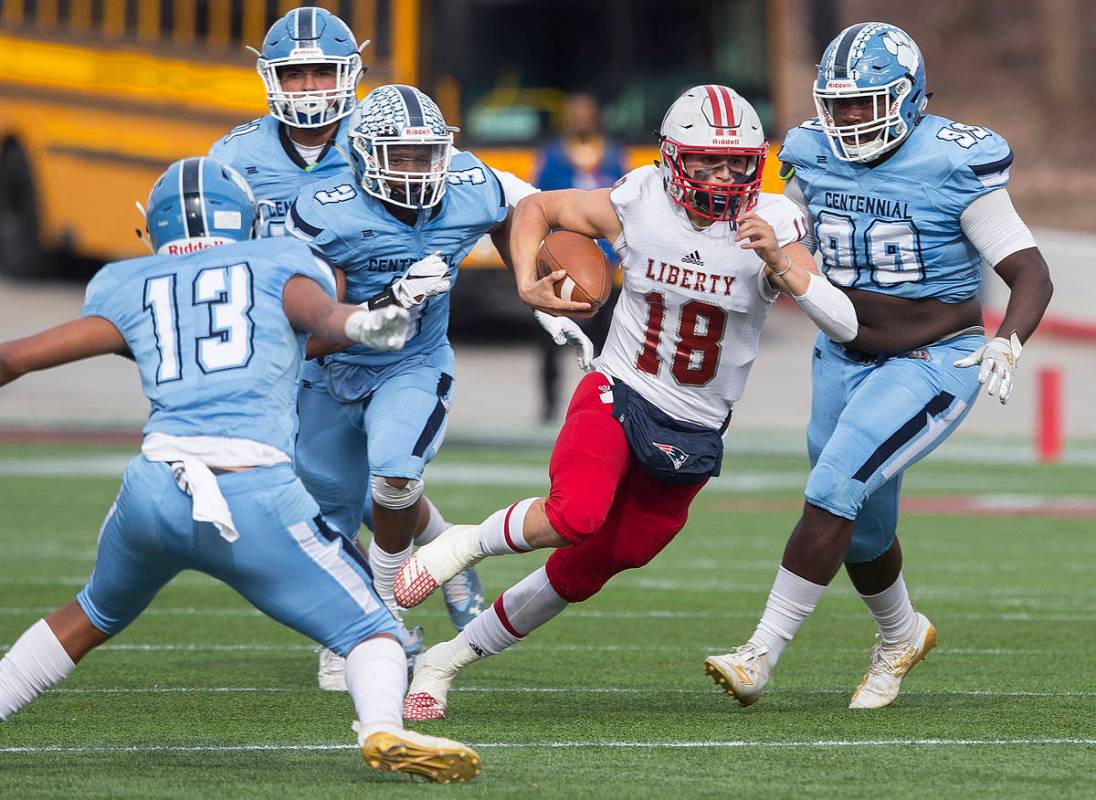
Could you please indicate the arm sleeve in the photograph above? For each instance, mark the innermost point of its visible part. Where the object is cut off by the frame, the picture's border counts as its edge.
(513, 187)
(794, 192)
(992, 225)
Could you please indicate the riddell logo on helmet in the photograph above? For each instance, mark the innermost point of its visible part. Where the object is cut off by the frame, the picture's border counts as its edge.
(841, 85)
(725, 141)
(193, 246)
(417, 131)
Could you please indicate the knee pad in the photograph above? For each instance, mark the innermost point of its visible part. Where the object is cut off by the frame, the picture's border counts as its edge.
(388, 496)
(831, 489)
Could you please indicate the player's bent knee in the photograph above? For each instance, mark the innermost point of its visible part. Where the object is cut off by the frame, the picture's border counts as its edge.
(831, 489)
(573, 520)
(396, 497)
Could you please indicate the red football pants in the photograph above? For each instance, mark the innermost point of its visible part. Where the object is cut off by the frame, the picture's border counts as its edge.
(615, 515)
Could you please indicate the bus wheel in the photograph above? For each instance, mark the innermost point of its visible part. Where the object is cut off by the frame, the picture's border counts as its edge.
(21, 252)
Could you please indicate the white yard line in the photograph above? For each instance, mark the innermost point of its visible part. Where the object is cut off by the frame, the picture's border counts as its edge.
(584, 744)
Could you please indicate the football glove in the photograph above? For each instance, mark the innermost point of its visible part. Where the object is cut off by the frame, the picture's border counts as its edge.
(381, 329)
(566, 331)
(425, 278)
(998, 360)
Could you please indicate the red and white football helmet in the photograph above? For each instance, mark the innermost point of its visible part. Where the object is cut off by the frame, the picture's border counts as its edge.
(712, 120)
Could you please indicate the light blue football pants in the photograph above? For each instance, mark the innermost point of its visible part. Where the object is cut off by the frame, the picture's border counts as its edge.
(871, 421)
(286, 562)
(394, 432)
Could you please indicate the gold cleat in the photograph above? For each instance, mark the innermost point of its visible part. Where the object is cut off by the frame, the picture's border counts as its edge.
(743, 673)
(436, 759)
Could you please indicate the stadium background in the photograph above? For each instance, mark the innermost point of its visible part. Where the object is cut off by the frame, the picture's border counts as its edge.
(96, 96)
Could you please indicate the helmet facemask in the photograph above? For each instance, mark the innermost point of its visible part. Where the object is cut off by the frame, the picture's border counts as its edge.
(719, 201)
(865, 141)
(316, 108)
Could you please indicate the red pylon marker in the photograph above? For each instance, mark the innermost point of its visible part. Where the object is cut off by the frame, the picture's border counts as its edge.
(1048, 440)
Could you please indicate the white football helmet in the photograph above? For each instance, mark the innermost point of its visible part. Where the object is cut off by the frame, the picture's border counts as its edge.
(712, 120)
(391, 123)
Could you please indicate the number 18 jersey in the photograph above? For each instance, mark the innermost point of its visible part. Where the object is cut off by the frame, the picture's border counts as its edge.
(686, 328)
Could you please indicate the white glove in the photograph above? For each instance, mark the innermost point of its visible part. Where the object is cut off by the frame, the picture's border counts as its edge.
(425, 278)
(381, 329)
(566, 331)
(998, 359)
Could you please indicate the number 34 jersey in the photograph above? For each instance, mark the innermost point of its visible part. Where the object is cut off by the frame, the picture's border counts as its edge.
(208, 331)
(686, 328)
(894, 228)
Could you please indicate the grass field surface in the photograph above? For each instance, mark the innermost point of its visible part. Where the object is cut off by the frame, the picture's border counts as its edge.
(203, 697)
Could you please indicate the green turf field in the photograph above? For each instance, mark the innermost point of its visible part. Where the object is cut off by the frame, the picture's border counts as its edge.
(201, 697)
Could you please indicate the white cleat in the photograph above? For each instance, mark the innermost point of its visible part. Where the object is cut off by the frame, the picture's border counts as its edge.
(389, 748)
(890, 663)
(436, 563)
(429, 690)
(332, 673)
(743, 673)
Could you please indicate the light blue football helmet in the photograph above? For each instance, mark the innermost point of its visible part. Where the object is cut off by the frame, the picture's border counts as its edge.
(398, 116)
(199, 203)
(881, 62)
(310, 36)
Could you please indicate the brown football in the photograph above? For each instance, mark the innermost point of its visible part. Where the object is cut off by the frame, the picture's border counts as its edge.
(588, 280)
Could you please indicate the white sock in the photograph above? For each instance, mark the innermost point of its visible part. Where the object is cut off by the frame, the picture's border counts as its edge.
(791, 600)
(35, 663)
(503, 531)
(518, 611)
(376, 677)
(385, 566)
(435, 525)
(892, 611)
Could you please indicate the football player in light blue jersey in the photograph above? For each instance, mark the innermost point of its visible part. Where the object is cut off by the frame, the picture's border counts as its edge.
(217, 325)
(311, 66)
(398, 225)
(905, 207)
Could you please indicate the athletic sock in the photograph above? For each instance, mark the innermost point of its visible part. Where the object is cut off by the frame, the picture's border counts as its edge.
(376, 677)
(791, 601)
(436, 525)
(385, 566)
(503, 533)
(35, 663)
(892, 611)
(516, 612)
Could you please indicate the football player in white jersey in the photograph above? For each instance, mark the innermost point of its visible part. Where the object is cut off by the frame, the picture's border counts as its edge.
(704, 255)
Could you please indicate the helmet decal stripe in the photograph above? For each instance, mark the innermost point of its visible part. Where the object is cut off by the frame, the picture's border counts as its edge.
(717, 110)
(841, 52)
(725, 93)
(190, 190)
(306, 24)
(414, 107)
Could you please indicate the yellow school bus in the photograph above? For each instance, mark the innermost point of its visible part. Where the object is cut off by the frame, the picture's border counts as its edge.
(98, 96)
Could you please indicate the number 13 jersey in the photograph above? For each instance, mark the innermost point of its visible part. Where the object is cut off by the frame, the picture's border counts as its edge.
(686, 328)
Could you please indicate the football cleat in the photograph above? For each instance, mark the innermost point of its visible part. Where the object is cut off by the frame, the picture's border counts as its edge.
(392, 749)
(429, 690)
(436, 563)
(332, 673)
(464, 599)
(743, 672)
(890, 663)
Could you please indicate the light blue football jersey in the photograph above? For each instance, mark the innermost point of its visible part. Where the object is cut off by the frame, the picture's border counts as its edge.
(261, 151)
(894, 228)
(208, 330)
(356, 232)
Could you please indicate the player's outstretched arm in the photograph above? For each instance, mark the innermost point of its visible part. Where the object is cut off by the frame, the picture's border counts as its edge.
(310, 309)
(72, 341)
(589, 213)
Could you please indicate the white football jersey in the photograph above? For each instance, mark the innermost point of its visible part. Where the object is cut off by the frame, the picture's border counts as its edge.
(686, 328)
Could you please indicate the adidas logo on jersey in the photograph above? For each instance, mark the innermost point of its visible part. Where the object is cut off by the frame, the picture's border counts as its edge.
(693, 258)
(676, 455)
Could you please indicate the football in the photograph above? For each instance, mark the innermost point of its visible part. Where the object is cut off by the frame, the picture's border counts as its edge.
(588, 280)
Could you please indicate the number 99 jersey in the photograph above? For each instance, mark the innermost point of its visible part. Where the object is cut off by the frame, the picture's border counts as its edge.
(894, 228)
(686, 328)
